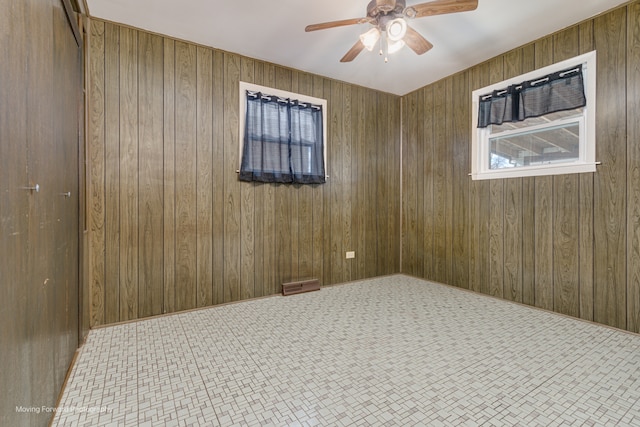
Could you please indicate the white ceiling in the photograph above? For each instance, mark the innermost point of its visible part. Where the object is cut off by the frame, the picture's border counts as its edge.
(273, 31)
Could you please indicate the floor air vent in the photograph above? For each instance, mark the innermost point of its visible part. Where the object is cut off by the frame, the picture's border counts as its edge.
(301, 286)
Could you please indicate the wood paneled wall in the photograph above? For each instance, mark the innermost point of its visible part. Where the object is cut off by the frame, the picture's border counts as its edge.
(568, 243)
(171, 226)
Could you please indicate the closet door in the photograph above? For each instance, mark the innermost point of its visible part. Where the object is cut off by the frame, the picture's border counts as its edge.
(67, 98)
(40, 88)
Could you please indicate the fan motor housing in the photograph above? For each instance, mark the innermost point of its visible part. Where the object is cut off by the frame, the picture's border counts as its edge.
(384, 7)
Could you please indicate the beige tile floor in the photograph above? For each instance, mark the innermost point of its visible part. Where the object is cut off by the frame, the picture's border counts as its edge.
(392, 351)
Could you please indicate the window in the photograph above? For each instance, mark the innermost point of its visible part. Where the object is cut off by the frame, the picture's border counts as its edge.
(540, 123)
(282, 136)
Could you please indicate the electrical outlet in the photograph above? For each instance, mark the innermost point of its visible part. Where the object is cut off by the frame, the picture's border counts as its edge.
(351, 254)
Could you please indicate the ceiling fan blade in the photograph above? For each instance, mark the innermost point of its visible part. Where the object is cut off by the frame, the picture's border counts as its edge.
(441, 7)
(353, 52)
(416, 42)
(333, 24)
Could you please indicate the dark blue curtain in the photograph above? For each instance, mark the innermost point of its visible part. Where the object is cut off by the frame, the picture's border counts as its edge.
(283, 141)
(559, 91)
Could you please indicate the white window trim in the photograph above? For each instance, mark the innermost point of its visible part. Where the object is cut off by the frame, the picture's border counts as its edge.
(587, 161)
(244, 87)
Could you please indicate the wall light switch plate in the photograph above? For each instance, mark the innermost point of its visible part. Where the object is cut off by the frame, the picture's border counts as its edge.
(351, 254)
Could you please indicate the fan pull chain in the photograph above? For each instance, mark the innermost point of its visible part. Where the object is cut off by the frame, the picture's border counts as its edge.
(384, 46)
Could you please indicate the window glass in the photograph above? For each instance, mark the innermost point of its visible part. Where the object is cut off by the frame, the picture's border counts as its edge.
(524, 137)
(282, 136)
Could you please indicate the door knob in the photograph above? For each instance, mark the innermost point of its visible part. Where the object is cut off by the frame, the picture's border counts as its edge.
(35, 188)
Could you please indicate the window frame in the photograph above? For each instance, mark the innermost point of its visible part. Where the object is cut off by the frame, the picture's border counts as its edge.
(252, 87)
(481, 137)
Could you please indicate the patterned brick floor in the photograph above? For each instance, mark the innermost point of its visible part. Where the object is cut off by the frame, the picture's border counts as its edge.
(392, 351)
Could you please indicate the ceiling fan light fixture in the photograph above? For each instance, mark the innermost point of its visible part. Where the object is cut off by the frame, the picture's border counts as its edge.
(396, 29)
(393, 47)
(389, 21)
(370, 38)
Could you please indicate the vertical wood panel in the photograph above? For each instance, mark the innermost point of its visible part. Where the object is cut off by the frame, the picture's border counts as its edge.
(543, 210)
(294, 227)
(633, 168)
(513, 209)
(129, 178)
(169, 179)
(440, 166)
(112, 174)
(204, 180)
(260, 230)
(96, 148)
(496, 210)
(513, 63)
(420, 183)
(379, 165)
(347, 186)
(305, 204)
(528, 241)
(479, 210)
(318, 212)
(150, 112)
(186, 179)
(283, 206)
(585, 222)
(232, 202)
(272, 286)
(566, 291)
(358, 224)
(448, 183)
(217, 175)
(248, 211)
(392, 172)
(460, 180)
(543, 243)
(336, 111)
(327, 248)
(371, 196)
(409, 189)
(565, 246)
(528, 209)
(513, 238)
(496, 238)
(610, 192)
(426, 141)
(382, 184)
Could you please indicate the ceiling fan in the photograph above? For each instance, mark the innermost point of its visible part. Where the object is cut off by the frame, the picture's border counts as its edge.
(388, 18)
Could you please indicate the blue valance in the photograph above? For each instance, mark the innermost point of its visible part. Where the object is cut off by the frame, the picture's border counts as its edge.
(560, 91)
